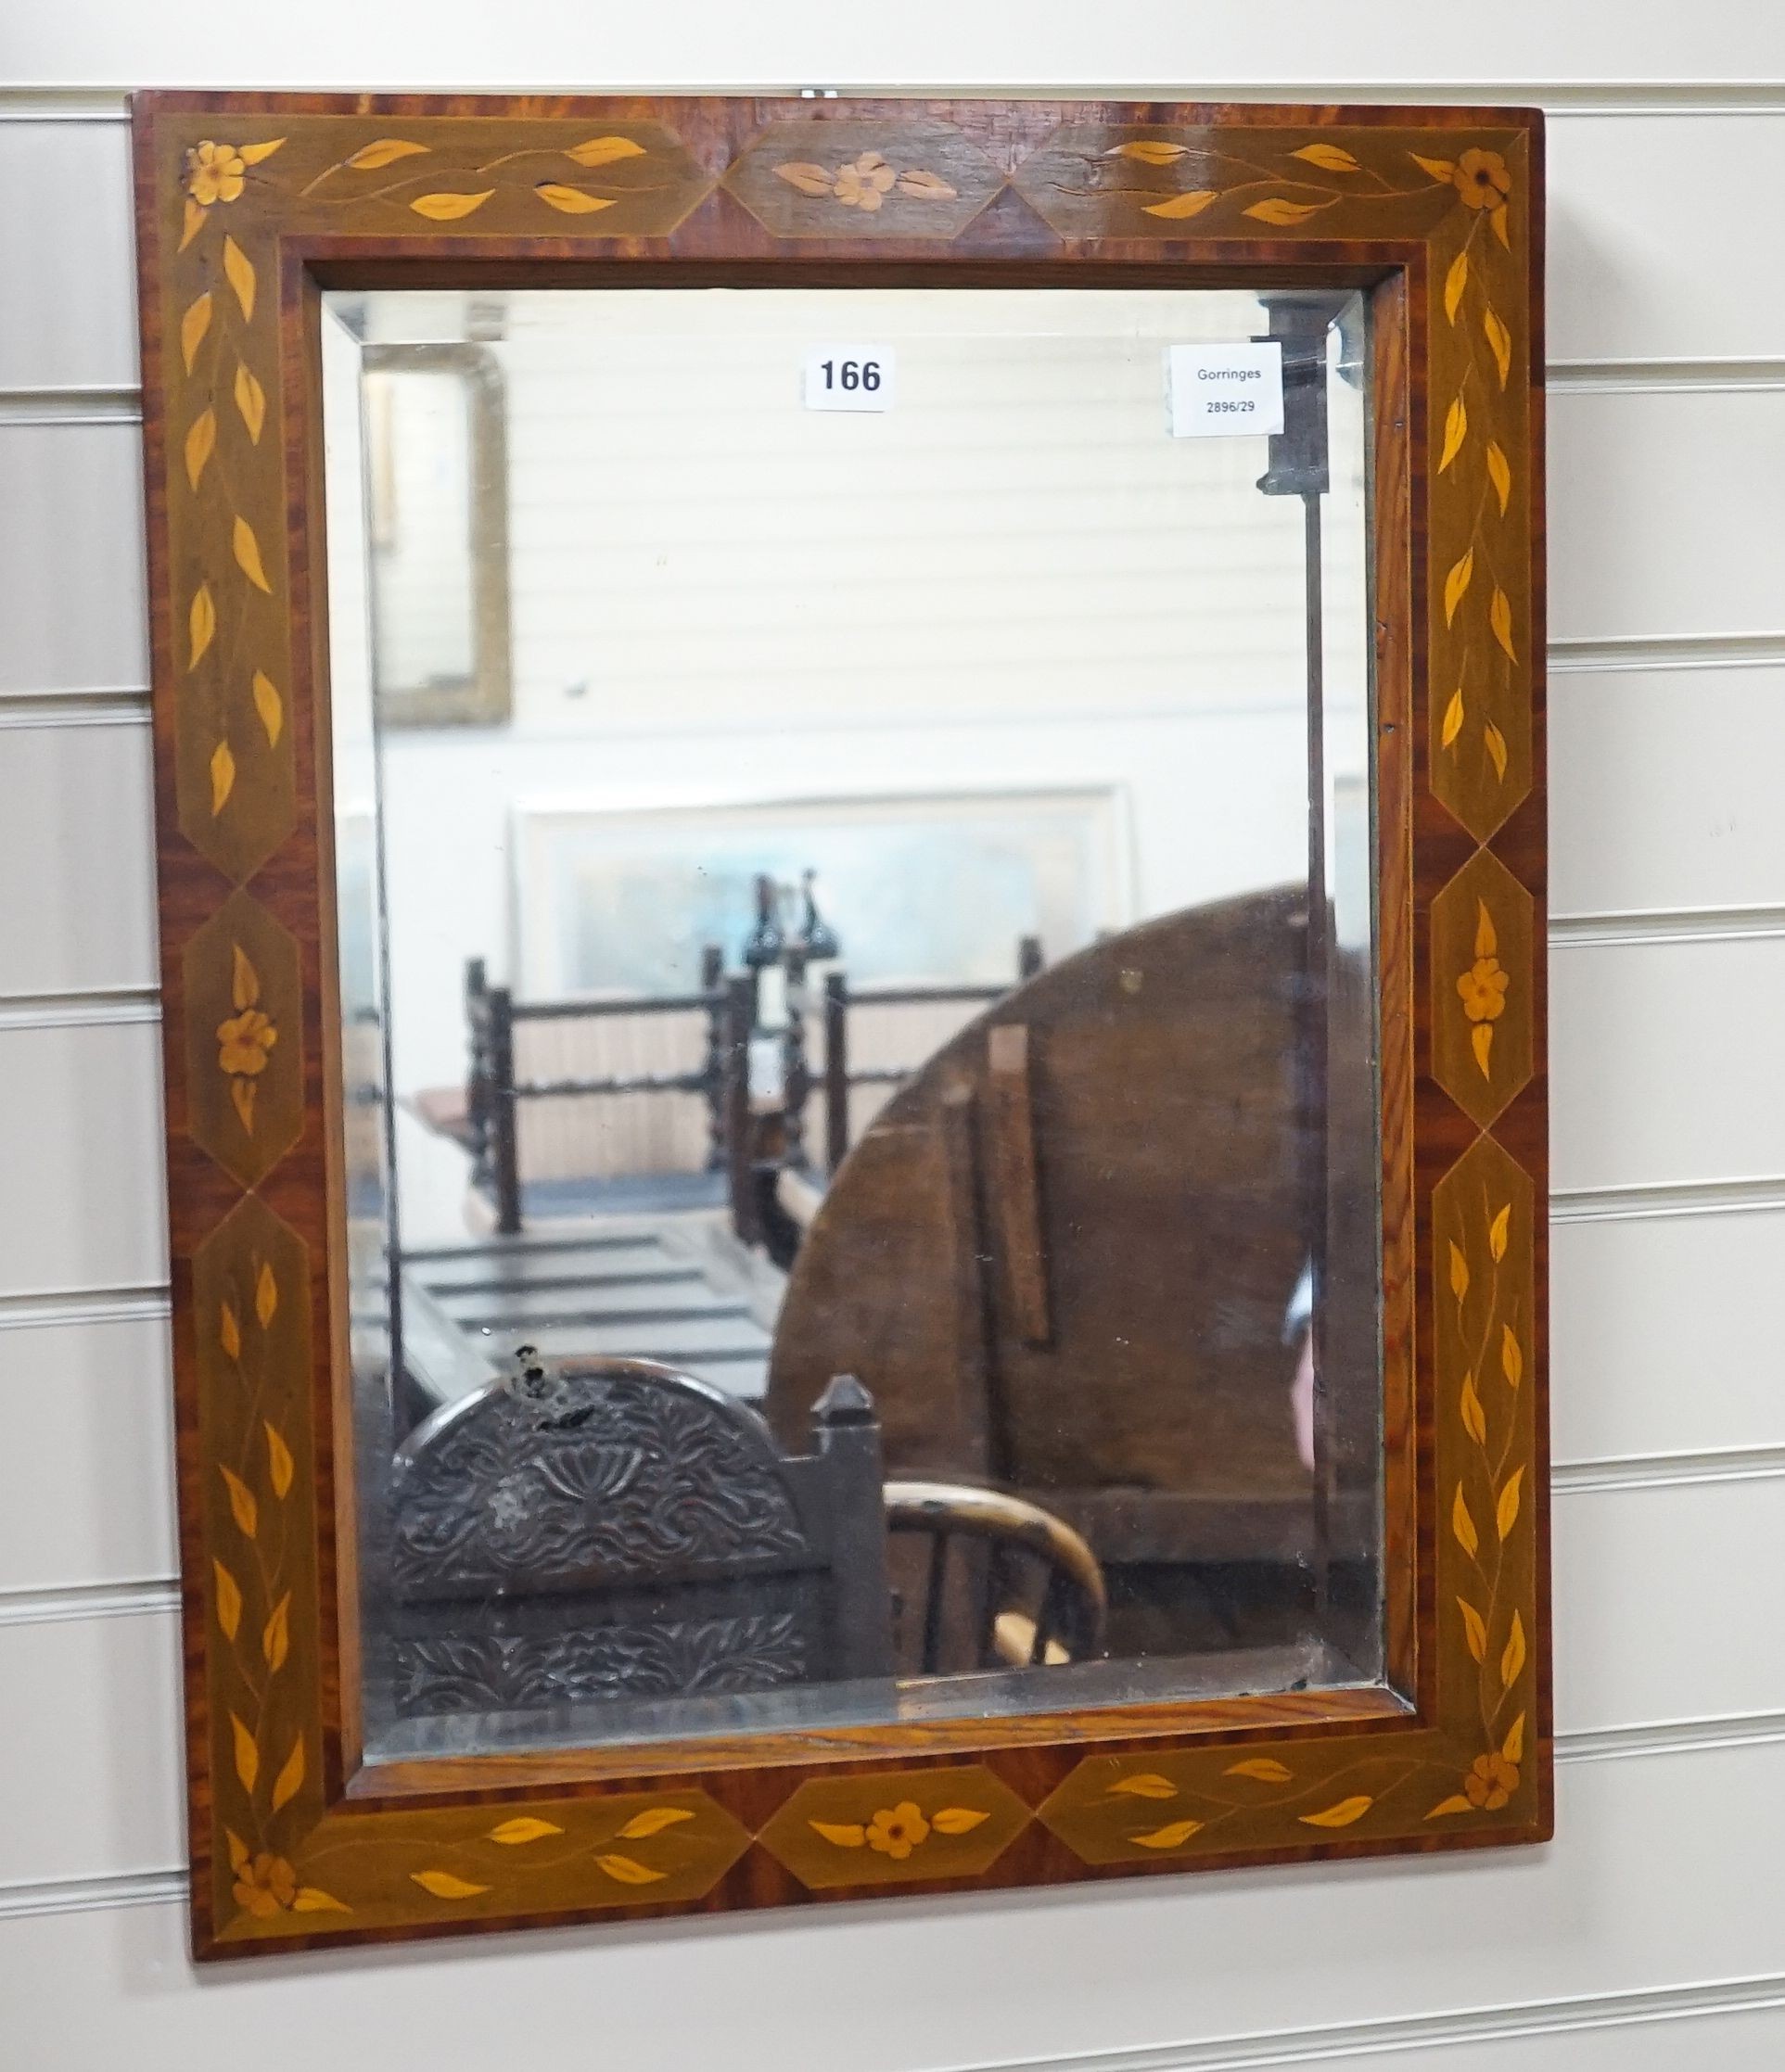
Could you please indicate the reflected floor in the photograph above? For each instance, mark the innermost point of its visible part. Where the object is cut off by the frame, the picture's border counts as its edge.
(671, 1287)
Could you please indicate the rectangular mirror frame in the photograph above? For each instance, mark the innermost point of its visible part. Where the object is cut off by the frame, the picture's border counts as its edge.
(247, 207)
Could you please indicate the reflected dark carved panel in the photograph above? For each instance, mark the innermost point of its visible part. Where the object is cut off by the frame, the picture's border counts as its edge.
(464, 1673)
(595, 1528)
(589, 1478)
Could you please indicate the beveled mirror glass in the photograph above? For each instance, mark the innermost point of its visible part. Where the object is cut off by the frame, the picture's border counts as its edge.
(915, 925)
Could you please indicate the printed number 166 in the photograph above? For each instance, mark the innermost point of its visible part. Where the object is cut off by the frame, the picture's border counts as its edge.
(851, 373)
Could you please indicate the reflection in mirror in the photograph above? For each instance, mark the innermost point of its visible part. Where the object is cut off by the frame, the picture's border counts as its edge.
(862, 1139)
(436, 525)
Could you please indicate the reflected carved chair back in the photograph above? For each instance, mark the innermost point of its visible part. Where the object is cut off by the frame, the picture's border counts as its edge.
(603, 1528)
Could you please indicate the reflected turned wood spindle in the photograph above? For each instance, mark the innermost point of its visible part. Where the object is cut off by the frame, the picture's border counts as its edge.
(712, 986)
(764, 945)
(796, 1074)
(740, 1132)
(478, 1087)
(505, 1162)
(837, 1069)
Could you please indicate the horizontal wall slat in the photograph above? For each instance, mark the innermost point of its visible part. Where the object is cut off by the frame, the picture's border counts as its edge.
(81, 1135)
(86, 1469)
(1658, 1593)
(1646, 256)
(90, 1718)
(356, 49)
(1663, 1066)
(71, 579)
(1635, 1899)
(1664, 1334)
(1641, 2032)
(76, 847)
(1663, 789)
(1664, 514)
(69, 318)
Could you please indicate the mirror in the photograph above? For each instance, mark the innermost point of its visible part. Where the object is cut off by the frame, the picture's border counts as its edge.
(863, 1150)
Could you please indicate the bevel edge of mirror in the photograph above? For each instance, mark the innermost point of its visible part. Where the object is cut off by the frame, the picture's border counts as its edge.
(1104, 1729)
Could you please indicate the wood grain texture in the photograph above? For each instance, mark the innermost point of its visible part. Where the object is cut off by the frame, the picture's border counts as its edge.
(1014, 1183)
(244, 203)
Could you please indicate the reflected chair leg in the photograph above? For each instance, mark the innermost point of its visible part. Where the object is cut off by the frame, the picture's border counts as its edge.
(505, 1111)
(934, 1595)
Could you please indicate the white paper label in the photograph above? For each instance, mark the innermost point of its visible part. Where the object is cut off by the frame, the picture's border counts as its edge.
(1222, 391)
(848, 377)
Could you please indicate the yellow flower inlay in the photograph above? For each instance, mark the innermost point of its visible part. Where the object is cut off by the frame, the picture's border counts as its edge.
(1483, 180)
(265, 1886)
(1491, 1782)
(864, 183)
(214, 172)
(1482, 990)
(244, 1041)
(896, 1830)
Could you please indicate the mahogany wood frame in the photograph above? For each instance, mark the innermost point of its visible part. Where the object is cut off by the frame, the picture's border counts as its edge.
(248, 205)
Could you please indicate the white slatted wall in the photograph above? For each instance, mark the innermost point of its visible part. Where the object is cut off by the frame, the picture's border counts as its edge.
(1652, 1933)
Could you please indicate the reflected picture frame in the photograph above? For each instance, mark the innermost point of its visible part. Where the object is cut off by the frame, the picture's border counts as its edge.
(482, 695)
(248, 207)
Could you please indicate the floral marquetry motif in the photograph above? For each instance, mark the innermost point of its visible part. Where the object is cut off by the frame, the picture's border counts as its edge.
(895, 1826)
(244, 1007)
(637, 176)
(250, 1325)
(1174, 1806)
(863, 180)
(480, 1863)
(1484, 972)
(1113, 180)
(1478, 704)
(234, 771)
(1485, 1318)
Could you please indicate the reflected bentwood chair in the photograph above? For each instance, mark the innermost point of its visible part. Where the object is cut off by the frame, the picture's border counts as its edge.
(1004, 1584)
(602, 1529)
